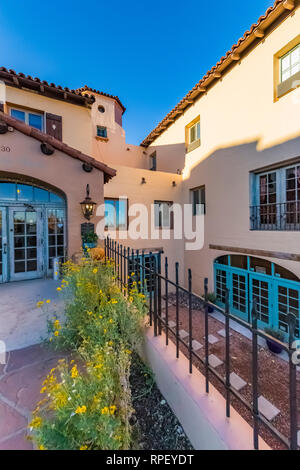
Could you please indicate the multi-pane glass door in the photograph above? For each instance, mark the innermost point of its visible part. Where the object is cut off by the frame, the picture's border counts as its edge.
(261, 290)
(3, 245)
(25, 237)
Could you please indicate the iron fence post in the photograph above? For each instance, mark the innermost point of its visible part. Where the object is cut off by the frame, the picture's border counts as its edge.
(155, 296)
(159, 294)
(190, 322)
(167, 299)
(227, 360)
(177, 309)
(206, 336)
(151, 288)
(255, 411)
(293, 385)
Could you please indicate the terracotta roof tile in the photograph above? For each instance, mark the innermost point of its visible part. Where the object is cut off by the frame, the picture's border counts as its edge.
(11, 78)
(58, 145)
(281, 9)
(116, 98)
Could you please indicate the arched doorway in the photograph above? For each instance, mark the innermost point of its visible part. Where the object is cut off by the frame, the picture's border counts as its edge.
(32, 230)
(276, 289)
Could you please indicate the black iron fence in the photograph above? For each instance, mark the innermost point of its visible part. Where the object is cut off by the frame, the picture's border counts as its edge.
(145, 271)
(284, 216)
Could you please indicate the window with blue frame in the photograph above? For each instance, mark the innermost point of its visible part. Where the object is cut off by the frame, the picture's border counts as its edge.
(102, 132)
(276, 199)
(116, 214)
(276, 290)
(10, 191)
(31, 118)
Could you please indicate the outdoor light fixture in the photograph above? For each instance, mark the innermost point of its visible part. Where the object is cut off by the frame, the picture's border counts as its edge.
(88, 206)
(174, 184)
(143, 181)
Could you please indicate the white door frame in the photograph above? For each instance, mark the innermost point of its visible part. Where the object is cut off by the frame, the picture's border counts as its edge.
(39, 246)
(4, 245)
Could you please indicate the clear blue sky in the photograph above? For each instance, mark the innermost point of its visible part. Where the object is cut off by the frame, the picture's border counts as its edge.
(149, 53)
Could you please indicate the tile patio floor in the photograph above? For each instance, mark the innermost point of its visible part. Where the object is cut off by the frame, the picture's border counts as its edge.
(20, 384)
(22, 324)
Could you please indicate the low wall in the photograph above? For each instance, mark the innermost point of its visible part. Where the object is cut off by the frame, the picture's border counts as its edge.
(202, 416)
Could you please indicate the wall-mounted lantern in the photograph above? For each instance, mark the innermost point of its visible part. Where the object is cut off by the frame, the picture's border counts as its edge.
(174, 184)
(143, 181)
(88, 206)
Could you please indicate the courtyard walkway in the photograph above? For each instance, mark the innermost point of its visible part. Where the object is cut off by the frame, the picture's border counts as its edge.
(22, 324)
(20, 383)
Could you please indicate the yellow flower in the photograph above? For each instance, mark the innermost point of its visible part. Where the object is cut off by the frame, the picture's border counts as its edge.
(43, 390)
(110, 343)
(56, 333)
(131, 299)
(56, 324)
(36, 422)
(58, 289)
(95, 271)
(105, 331)
(80, 410)
(128, 351)
(74, 372)
(90, 313)
(132, 274)
(114, 301)
(41, 447)
(105, 410)
(111, 320)
(48, 301)
(112, 409)
(83, 448)
(40, 303)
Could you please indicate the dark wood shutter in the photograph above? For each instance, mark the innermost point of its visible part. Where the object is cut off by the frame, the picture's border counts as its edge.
(54, 125)
(2, 107)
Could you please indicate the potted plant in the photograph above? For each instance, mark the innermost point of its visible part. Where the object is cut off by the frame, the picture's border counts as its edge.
(212, 298)
(273, 346)
(89, 240)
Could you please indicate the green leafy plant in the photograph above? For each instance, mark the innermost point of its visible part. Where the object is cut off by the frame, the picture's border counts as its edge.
(277, 334)
(90, 237)
(88, 405)
(211, 297)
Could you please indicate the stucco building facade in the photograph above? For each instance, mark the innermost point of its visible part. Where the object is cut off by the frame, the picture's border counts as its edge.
(230, 148)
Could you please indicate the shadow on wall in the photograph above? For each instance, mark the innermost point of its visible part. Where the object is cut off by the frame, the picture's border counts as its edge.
(170, 158)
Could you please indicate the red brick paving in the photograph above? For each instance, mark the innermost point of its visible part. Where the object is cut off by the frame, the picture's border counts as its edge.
(20, 383)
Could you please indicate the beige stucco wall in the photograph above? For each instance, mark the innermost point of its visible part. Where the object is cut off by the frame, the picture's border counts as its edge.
(75, 119)
(59, 170)
(242, 129)
(158, 186)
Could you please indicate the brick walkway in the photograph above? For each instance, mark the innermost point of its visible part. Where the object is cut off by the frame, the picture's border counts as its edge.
(20, 384)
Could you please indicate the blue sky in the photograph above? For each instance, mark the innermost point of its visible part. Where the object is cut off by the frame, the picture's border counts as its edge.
(149, 53)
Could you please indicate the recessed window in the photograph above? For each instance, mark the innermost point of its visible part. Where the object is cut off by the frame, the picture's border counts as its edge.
(102, 132)
(35, 120)
(290, 64)
(101, 109)
(163, 216)
(153, 162)
(116, 214)
(193, 135)
(198, 200)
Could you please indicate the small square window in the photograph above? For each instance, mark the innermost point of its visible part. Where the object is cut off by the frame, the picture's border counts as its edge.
(163, 216)
(32, 119)
(102, 132)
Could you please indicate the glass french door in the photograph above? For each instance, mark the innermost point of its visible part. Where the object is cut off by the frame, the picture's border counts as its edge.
(3, 245)
(239, 294)
(25, 241)
(261, 288)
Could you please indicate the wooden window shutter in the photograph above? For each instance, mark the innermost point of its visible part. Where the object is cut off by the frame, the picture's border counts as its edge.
(54, 126)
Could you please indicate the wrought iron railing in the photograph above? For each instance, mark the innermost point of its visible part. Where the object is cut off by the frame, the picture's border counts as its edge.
(284, 216)
(149, 279)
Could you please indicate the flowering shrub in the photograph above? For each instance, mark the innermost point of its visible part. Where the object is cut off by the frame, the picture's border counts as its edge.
(87, 405)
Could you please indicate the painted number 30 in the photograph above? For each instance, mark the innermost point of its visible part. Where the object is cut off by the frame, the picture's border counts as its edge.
(4, 148)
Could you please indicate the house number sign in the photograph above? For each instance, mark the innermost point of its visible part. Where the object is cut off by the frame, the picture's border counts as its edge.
(5, 148)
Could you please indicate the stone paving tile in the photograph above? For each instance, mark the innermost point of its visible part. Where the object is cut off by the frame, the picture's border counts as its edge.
(17, 442)
(22, 387)
(223, 333)
(197, 345)
(237, 382)
(212, 339)
(214, 361)
(11, 421)
(23, 357)
(183, 334)
(267, 409)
